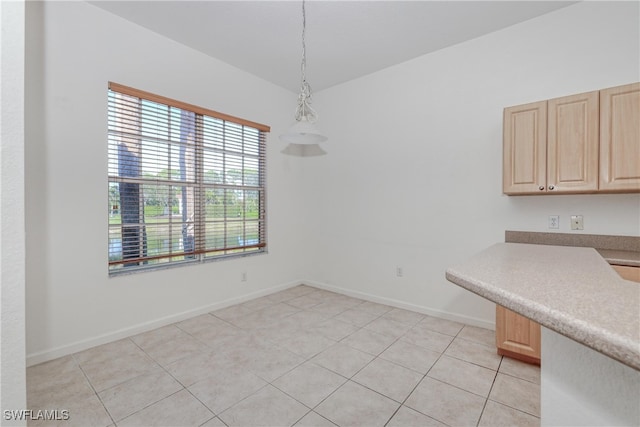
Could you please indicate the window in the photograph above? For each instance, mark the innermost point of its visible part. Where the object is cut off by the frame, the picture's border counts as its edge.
(186, 184)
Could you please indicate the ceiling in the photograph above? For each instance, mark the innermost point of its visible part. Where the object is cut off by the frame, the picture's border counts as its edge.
(344, 39)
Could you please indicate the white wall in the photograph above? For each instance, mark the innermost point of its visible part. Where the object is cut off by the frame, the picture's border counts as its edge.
(412, 177)
(73, 50)
(13, 395)
(607, 396)
(413, 172)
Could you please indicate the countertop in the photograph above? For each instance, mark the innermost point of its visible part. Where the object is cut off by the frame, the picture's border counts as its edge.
(616, 257)
(617, 250)
(570, 290)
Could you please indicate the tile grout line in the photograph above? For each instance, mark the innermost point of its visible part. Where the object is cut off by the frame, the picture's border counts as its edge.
(346, 378)
(308, 328)
(149, 405)
(490, 389)
(270, 383)
(422, 379)
(93, 388)
(371, 361)
(161, 399)
(451, 385)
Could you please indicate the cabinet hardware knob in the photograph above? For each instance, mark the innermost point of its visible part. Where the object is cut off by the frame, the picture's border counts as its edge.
(541, 188)
(551, 187)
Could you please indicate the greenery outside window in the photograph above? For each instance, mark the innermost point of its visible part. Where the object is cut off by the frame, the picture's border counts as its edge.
(186, 184)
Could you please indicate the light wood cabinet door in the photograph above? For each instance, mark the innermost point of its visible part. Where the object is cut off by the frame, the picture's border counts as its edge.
(517, 336)
(620, 138)
(628, 272)
(525, 148)
(572, 143)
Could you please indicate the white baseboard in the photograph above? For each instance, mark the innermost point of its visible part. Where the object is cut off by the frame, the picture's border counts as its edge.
(54, 353)
(472, 321)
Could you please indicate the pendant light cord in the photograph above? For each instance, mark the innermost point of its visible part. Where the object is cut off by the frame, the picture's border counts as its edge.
(303, 66)
(304, 110)
(304, 131)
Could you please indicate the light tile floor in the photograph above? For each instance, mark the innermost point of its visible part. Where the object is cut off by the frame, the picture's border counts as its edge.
(303, 357)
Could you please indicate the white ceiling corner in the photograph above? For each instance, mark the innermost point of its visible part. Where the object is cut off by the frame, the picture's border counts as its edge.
(345, 39)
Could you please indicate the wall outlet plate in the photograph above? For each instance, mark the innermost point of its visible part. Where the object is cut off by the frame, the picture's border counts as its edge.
(554, 221)
(576, 222)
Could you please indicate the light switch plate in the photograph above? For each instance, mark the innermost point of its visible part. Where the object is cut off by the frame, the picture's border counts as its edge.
(577, 222)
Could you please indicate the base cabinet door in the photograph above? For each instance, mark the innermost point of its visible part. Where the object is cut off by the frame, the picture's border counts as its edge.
(517, 336)
(628, 273)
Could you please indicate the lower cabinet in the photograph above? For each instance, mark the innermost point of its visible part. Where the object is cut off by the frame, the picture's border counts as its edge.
(517, 336)
(628, 273)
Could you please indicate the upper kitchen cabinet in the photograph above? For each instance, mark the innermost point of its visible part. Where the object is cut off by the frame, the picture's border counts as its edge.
(586, 143)
(525, 148)
(572, 143)
(620, 138)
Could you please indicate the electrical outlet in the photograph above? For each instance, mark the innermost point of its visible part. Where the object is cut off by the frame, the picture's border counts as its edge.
(577, 222)
(243, 277)
(399, 272)
(554, 221)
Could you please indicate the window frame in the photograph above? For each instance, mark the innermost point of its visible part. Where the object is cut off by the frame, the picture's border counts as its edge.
(119, 124)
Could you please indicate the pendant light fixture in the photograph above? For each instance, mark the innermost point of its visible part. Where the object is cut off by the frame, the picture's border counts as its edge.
(304, 130)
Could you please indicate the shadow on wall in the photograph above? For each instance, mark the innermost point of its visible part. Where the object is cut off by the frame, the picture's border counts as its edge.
(300, 150)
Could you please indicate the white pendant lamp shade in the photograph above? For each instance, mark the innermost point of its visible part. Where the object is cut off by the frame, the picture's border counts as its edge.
(303, 132)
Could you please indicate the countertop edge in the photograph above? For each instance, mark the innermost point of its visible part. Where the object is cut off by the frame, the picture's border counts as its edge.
(606, 342)
(627, 258)
(615, 249)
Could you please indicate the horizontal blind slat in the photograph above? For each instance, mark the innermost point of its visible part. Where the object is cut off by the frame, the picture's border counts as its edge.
(186, 106)
(150, 258)
(182, 184)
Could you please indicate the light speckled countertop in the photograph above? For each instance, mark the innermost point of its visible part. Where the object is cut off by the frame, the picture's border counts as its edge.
(615, 257)
(570, 290)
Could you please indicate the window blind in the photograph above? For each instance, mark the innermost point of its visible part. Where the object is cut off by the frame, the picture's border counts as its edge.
(186, 184)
